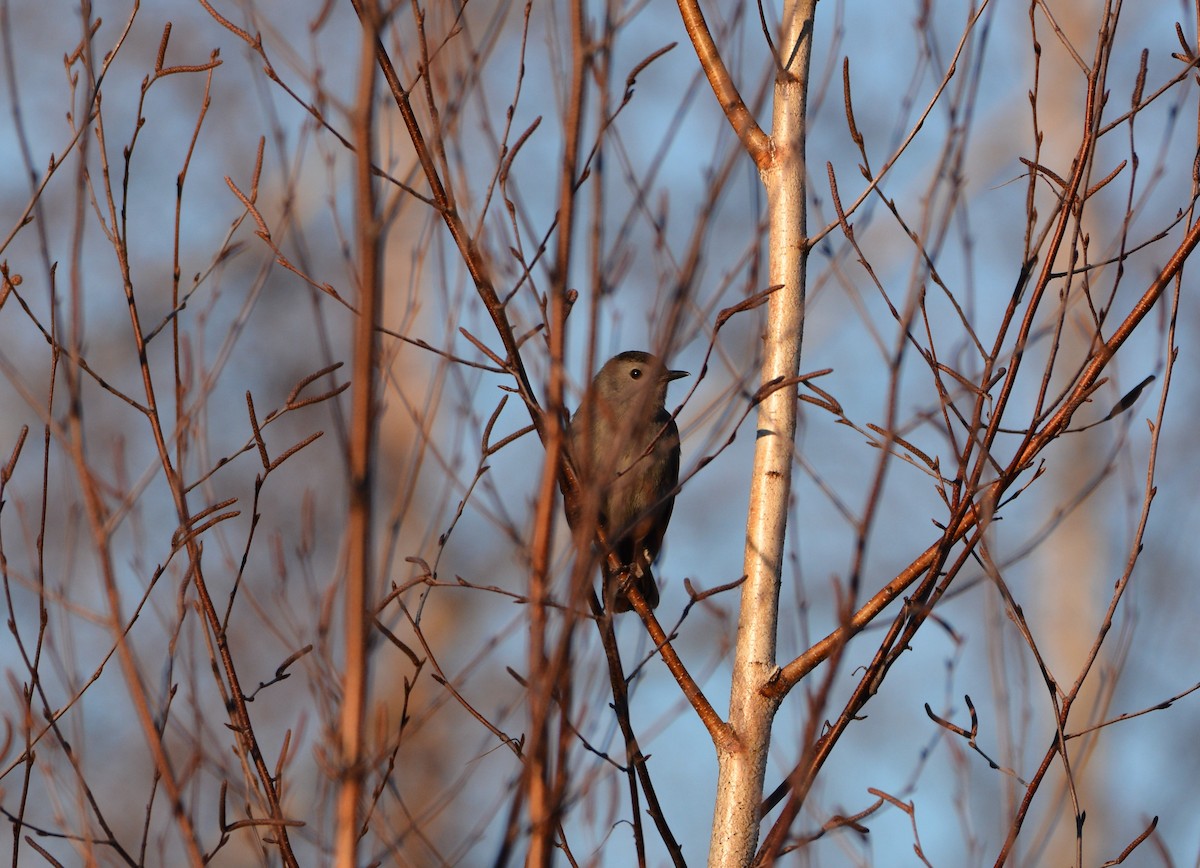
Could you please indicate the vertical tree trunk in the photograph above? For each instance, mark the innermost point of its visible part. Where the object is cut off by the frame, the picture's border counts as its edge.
(1070, 598)
(740, 781)
(361, 460)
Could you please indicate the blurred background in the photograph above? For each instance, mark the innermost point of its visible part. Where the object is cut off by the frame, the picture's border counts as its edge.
(670, 232)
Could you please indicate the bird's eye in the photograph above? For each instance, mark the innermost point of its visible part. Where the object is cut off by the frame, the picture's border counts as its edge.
(636, 373)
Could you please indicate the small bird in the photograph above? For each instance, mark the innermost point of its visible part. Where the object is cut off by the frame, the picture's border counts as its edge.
(626, 448)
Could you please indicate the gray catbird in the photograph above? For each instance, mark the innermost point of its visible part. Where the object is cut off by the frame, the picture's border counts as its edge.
(626, 447)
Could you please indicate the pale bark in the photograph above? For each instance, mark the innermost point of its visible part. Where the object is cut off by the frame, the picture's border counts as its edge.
(742, 769)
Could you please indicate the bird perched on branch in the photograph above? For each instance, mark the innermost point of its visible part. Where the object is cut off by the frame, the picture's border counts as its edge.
(626, 447)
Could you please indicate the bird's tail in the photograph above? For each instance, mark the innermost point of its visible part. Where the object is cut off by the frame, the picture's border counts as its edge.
(636, 575)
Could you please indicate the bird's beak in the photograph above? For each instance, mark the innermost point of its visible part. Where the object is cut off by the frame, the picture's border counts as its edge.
(674, 375)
